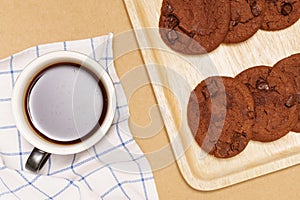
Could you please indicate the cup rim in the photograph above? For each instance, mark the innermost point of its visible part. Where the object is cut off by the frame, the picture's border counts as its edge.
(19, 95)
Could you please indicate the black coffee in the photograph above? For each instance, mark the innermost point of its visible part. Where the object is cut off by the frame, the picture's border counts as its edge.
(66, 103)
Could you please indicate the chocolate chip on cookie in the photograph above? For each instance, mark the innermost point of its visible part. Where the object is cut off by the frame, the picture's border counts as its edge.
(280, 14)
(275, 102)
(245, 20)
(221, 116)
(290, 66)
(194, 26)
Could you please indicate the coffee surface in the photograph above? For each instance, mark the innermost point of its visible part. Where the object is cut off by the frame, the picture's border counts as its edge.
(65, 102)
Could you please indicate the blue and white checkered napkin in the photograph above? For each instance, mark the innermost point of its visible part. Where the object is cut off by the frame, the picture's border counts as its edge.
(115, 168)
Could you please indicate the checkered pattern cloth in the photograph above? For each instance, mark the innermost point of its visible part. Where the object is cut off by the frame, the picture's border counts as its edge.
(115, 168)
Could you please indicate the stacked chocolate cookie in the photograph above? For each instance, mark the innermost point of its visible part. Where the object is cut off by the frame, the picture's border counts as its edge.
(261, 104)
(200, 26)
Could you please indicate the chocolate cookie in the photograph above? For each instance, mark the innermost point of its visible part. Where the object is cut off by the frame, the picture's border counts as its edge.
(280, 14)
(290, 66)
(245, 20)
(221, 116)
(194, 26)
(275, 102)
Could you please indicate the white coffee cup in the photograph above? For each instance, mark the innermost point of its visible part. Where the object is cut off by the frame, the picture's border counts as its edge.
(25, 102)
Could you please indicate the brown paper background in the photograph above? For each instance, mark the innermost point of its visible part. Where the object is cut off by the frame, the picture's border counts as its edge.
(31, 22)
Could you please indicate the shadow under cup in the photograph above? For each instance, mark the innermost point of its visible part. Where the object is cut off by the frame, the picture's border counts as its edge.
(67, 106)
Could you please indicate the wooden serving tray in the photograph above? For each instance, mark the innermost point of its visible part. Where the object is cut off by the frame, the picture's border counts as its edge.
(175, 75)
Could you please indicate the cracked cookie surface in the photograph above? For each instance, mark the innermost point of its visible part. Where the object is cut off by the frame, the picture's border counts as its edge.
(221, 116)
(275, 102)
(290, 66)
(194, 26)
(280, 14)
(245, 20)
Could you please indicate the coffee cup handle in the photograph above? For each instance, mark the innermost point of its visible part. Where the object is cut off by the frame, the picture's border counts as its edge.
(37, 160)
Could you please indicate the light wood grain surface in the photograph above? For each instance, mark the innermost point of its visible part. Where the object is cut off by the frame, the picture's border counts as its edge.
(182, 73)
(27, 23)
